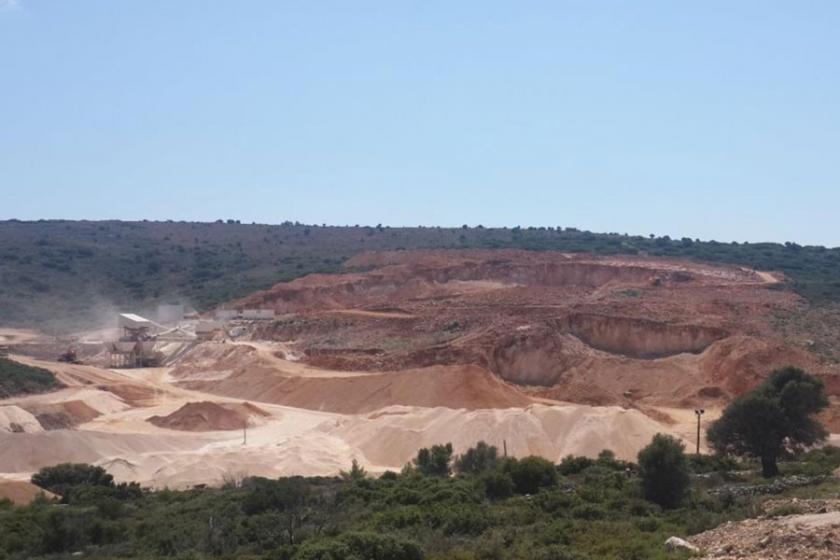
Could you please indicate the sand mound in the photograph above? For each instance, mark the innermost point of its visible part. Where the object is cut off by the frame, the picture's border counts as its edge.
(470, 387)
(26, 453)
(17, 420)
(63, 415)
(134, 395)
(21, 492)
(392, 436)
(210, 416)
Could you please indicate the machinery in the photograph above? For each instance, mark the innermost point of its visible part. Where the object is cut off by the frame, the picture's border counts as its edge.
(69, 357)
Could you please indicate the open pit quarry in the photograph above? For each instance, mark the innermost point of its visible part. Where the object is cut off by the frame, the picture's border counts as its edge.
(540, 353)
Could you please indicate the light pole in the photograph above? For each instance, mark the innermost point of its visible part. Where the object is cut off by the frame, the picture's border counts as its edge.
(699, 412)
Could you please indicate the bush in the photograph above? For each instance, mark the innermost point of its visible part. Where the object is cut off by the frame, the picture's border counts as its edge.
(286, 494)
(664, 471)
(59, 479)
(590, 512)
(498, 485)
(359, 546)
(477, 459)
(16, 379)
(531, 473)
(571, 465)
(434, 461)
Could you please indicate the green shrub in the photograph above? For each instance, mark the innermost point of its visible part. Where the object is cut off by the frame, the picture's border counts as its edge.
(60, 479)
(17, 379)
(571, 465)
(589, 512)
(531, 474)
(497, 484)
(359, 546)
(477, 459)
(434, 461)
(664, 471)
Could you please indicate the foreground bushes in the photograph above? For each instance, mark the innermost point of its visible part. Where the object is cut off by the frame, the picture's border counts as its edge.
(516, 509)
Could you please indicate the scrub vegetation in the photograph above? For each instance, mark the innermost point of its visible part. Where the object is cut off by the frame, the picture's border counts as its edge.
(18, 379)
(50, 270)
(475, 506)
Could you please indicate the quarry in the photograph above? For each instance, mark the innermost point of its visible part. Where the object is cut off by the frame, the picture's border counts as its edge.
(545, 354)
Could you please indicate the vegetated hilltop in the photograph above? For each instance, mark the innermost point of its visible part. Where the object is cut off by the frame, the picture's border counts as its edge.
(59, 274)
(17, 378)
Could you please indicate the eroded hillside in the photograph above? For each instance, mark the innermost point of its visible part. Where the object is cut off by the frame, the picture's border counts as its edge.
(634, 331)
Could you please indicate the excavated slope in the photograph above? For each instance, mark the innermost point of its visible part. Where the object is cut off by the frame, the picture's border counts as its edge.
(469, 387)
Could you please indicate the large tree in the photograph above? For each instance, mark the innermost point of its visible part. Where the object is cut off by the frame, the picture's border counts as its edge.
(663, 469)
(773, 420)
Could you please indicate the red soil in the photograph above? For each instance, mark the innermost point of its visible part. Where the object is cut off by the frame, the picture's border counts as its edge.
(635, 331)
(470, 387)
(209, 416)
(20, 492)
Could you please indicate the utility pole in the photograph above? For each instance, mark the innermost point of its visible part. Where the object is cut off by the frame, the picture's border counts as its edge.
(699, 412)
(504, 444)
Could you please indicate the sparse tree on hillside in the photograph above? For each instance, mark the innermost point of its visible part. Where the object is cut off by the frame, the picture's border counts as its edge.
(773, 420)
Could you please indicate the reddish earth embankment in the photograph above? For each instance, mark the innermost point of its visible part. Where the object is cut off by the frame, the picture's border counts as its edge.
(470, 387)
(210, 416)
(595, 330)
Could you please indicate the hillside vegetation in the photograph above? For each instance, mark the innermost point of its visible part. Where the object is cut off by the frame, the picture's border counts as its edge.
(17, 379)
(51, 271)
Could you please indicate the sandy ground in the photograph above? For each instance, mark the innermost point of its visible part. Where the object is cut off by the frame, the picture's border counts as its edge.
(19, 336)
(284, 440)
(21, 492)
(291, 367)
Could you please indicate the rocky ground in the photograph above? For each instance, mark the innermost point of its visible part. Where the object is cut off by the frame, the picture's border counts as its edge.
(812, 536)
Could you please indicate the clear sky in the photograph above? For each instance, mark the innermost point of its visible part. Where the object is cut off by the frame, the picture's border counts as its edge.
(713, 119)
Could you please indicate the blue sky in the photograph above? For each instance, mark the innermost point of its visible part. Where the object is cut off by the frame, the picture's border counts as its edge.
(717, 120)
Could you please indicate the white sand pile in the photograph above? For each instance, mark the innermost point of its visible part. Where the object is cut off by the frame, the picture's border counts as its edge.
(15, 419)
(26, 453)
(302, 441)
(312, 455)
(391, 437)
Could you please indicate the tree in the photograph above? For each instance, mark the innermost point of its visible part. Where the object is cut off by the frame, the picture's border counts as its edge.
(531, 473)
(59, 479)
(290, 499)
(356, 472)
(497, 484)
(434, 461)
(773, 420)
(663, 469)
(482, 457)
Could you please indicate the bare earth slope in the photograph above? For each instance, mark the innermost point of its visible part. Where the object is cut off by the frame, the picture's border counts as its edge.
(545, 353)
(632, 331)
